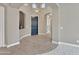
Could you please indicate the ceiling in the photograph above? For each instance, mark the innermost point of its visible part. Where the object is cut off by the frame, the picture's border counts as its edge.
(15, 5)
(18, 5)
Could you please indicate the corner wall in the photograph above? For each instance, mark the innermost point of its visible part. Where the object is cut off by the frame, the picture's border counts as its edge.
(55, 23)
(41, 21)
(12, 25)
(70, 23)
(2, 26)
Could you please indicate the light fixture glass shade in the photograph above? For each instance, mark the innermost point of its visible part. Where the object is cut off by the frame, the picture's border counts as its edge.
(36, 10)
(34, 5)
(43, 5)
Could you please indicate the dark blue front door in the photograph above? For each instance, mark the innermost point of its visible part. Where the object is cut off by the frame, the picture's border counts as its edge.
(34, 25)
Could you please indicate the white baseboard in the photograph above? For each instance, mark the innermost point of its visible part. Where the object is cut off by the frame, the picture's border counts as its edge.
(55, 42)
(25, 36)
(63, 43)
(30, 35)
(13, 44)
(2, 46)
(41, 33)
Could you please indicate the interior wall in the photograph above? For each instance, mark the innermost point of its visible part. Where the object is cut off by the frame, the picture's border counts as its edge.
(69, 21)
(41, 21)
(12, 25)
(55, 23)
(2, 31)
(26, 29)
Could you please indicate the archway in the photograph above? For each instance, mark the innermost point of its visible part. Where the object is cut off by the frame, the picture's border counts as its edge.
(48, 17)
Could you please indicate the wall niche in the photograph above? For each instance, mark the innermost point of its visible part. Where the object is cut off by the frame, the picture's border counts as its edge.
(21, 20)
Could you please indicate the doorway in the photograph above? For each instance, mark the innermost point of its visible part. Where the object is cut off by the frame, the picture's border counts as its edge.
(34, 25)
(48, 18)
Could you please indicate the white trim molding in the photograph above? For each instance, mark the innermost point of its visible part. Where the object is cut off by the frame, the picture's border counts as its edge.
(41, 33)
(2, 46)
(13, 44)
(30, 35)
(64, 43)
(2, 26)
(25, 36)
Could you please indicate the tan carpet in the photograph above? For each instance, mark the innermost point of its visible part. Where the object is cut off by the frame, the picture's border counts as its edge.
(30, 45)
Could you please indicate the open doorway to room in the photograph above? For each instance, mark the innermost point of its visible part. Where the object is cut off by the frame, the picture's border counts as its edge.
(27, 28)
(37, 32)
(48, 25)
(48, 17)
(34, 25)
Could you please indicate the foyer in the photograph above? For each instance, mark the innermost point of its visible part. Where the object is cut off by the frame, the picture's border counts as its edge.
(28, 28)
(30, 45)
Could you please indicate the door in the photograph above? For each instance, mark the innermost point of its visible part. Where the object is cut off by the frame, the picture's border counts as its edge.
(34, 25)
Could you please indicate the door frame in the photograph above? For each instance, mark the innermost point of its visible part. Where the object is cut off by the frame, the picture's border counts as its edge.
(31, 23)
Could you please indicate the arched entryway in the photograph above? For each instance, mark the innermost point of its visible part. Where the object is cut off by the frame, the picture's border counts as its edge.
(31, 44)
(49, 19)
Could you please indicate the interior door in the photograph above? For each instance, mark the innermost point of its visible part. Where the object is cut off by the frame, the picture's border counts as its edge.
(34, 25)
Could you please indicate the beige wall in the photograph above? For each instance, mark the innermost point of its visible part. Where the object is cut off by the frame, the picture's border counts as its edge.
(41, 21)
(70, 23)
(2, 29)
(12, 25)
(12, 32)
(55, 24)
(27, 25)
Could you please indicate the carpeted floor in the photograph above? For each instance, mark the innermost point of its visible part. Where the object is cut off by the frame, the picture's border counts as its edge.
(30, 45)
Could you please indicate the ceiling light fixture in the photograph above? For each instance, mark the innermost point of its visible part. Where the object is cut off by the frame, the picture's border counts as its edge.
(37, 10)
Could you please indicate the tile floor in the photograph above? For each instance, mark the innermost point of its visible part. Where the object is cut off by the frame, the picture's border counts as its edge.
(63, 50)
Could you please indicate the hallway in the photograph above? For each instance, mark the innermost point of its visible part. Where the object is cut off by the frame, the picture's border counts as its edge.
(19, 24)
(30, 45)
